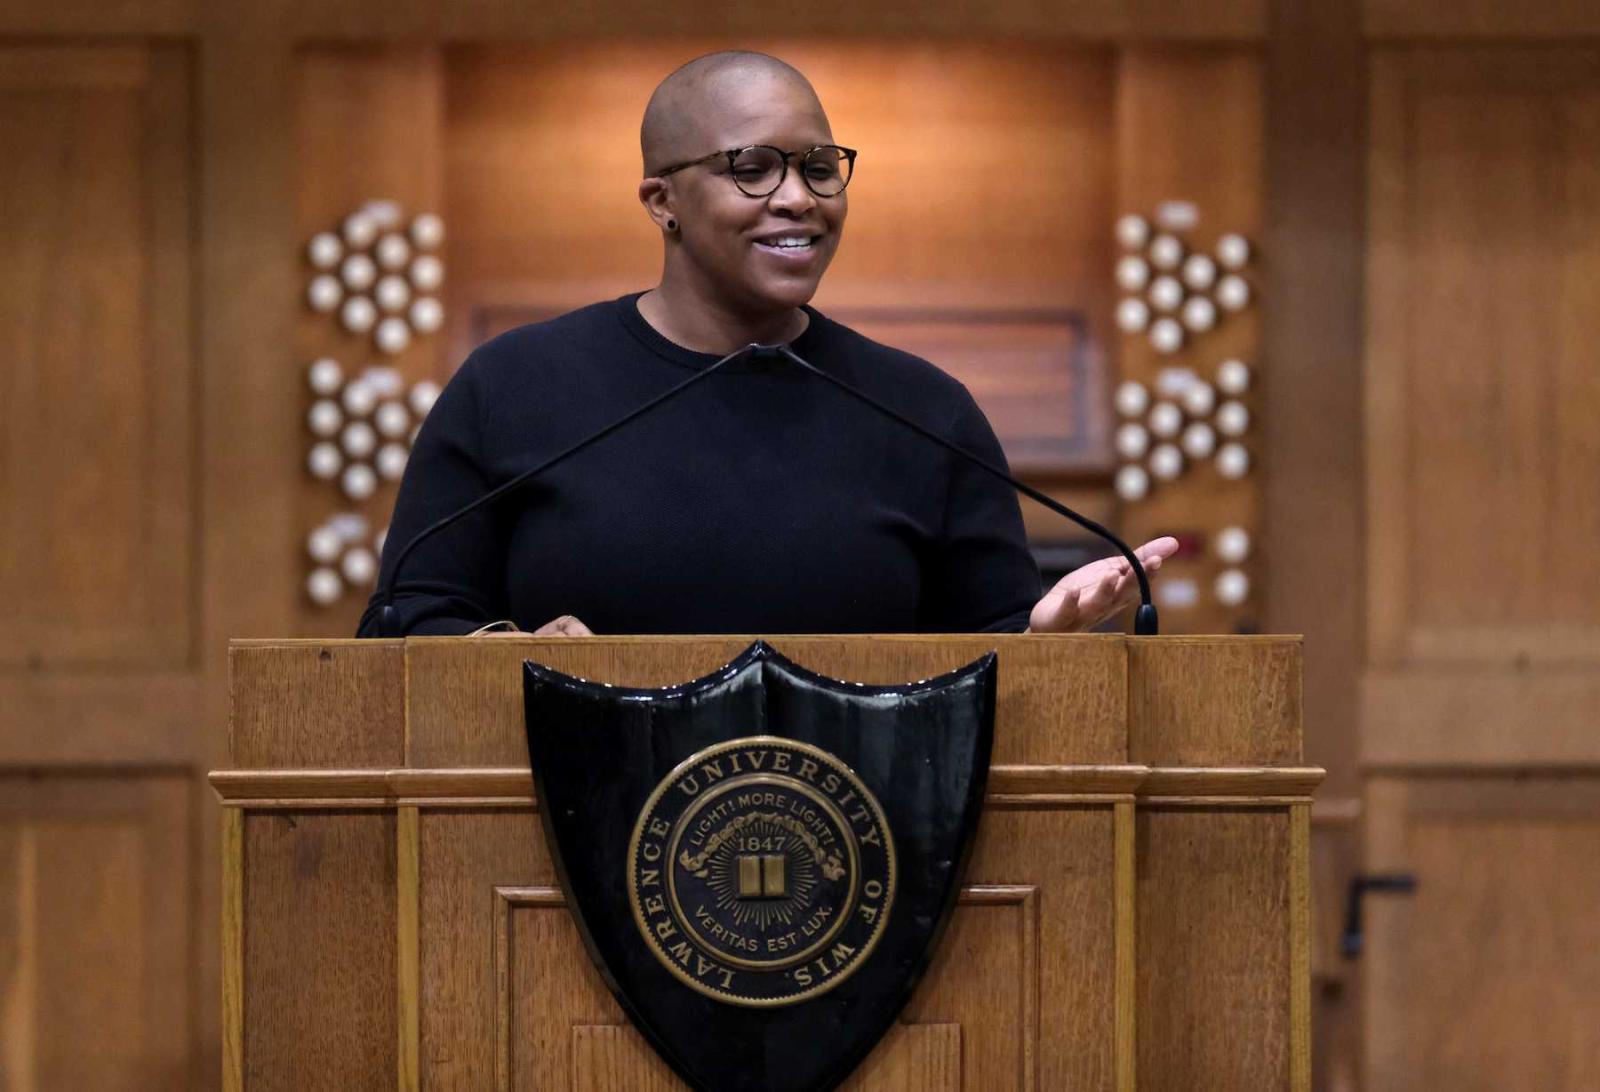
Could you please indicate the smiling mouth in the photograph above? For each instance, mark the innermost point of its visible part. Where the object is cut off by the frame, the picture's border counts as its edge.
(789, 245)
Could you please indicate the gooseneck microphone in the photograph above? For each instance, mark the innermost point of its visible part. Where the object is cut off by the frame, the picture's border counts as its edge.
(1146, 622)
(389, 614)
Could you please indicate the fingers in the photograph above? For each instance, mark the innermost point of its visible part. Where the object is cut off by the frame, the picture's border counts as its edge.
(565, 626)
(1157, 550)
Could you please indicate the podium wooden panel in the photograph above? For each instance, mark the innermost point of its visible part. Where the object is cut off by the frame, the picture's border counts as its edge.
(1135, 913)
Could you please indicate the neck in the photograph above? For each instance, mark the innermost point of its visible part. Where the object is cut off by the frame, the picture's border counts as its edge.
(688, 319)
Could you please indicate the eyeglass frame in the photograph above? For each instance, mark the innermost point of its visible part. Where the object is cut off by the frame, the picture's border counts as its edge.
(733, 155)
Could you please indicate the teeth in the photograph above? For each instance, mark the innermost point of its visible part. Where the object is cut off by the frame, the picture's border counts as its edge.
(788, 241)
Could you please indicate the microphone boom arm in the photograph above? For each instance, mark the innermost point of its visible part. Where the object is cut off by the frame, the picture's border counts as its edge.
(389, 614)
(1146, 621)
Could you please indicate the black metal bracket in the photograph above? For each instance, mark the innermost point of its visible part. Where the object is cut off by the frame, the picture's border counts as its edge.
(1393, 883)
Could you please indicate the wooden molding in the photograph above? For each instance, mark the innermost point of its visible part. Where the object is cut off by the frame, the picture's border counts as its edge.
(1228, 784)
(509, 786)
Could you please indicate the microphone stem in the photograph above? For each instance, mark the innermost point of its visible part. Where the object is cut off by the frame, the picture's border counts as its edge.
(1145, 621)
(388, 614)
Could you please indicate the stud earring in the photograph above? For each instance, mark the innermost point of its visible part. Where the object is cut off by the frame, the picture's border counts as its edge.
(672, 225)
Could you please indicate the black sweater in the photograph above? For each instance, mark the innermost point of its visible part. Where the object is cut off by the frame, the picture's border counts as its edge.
(762, 501)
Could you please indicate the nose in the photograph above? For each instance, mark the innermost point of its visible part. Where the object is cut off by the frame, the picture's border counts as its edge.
(792, 196)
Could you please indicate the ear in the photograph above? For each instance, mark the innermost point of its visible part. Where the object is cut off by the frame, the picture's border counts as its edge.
(656, 197)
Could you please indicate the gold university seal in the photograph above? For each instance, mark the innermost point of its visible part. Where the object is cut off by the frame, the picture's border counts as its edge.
(761, 871)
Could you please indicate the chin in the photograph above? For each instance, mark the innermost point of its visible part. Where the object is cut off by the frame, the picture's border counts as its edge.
(788, 296)
(783, 293)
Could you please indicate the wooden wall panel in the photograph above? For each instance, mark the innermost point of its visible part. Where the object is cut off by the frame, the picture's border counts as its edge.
(1019, 958)
(81, 18)
(1489, 975)
(94, 931)
(1483, 601)
(1482, 390)
(100, 697)
(465, 706)
(1485, 20)
(467, 859)
(325, 883)
(1207, 878)
(1205, 701)
(1481, 403)
(96, 398)
(1312, 327)
(1151, 20)
(350, 703)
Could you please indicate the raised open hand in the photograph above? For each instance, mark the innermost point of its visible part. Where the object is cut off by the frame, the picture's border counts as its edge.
(1095, 592)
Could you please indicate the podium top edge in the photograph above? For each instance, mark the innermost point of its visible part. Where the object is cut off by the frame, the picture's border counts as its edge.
(690, 638)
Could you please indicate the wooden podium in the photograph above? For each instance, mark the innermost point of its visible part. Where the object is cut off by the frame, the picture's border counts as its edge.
(1135, 913)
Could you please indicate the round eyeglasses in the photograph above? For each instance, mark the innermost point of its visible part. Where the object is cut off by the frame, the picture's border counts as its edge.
(760, 169)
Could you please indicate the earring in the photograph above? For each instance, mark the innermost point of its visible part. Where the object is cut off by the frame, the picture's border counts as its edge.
(672, 225)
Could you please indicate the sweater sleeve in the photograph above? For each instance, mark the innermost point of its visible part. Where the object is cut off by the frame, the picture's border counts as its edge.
(983, 577)
(454, 582)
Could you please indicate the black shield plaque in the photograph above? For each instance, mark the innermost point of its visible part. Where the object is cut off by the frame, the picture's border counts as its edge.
(761, 861)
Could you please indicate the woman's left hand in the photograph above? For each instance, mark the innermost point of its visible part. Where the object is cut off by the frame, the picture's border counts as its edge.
(1088, 596)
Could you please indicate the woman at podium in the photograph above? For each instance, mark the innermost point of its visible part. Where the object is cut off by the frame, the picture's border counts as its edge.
(762, 500)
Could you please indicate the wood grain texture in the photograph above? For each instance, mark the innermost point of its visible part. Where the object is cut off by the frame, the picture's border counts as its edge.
(1215, 959)
(1299, 866)
(1031, 948)
(1445, 715)
(1479, 377)
(94, 930)
(250, 402)
(100, 544)
(1196, 701)
(91, 717)
(407, 941)
(912, 1058)
(510, 786)
(1312, 430)
(1056, 695)
(1261, 783)
(1336, 833)
(1482, 266)
(320, 951)
(1060, 906)
(1125, 948)
(1487, 976)
(19, 964)
(1311, 340)
(1001, 980)
(615, 1058)
(233, 986)
(80, 18)
(1483, 20)
(536, 943)
(464, 857)
(1125, 20)
(313, 703)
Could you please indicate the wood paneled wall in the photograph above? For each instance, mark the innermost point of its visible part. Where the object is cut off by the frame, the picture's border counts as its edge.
(98, 580)
(1483, 591)
(148, 176)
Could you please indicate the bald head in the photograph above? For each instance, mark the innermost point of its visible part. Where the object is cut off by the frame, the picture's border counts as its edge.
(684, 111)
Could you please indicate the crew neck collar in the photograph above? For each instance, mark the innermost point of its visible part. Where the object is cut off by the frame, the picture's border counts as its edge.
(627, 308)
